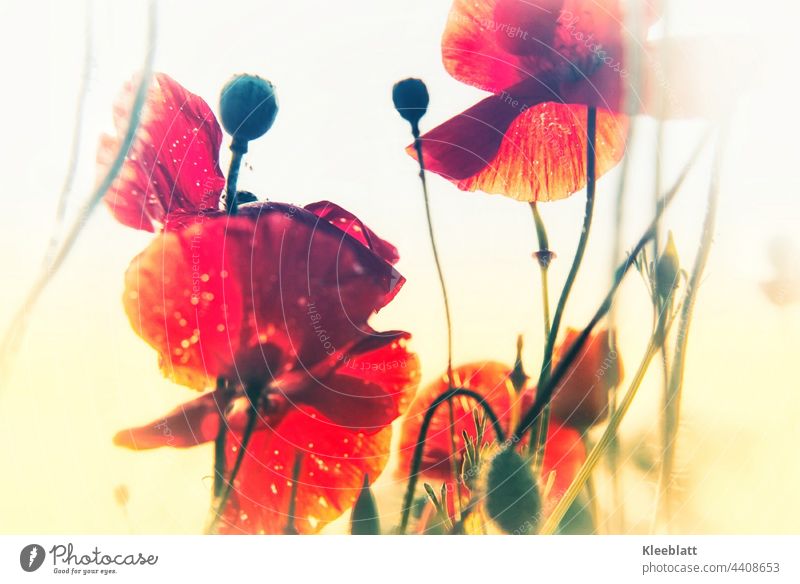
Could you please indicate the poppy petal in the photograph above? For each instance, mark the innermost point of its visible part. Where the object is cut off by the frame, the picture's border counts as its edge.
(255, 296)
(334, 462)
(354, 227)
(370, 387)
(187, 425)
(564, 454)
(581, 399)
(172, 166)
(542, 155)
(181, 298)
(465, 144)
(495, 44)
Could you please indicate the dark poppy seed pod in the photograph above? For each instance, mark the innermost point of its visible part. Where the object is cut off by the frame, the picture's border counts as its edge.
(248, 107)
(512, 497)
(410, 97)
(364, 519)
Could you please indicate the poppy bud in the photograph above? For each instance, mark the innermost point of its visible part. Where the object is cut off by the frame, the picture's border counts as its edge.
(518, 376)
(411, 99)
(364, 519)
(581, 400)
(667, 269)
(248, 107)
(512, 496)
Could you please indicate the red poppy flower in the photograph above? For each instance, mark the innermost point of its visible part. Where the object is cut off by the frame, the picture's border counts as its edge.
(564, 454)
(582, 398)
(172, 168)
(275, 302)
(277, 299)
(544, 62)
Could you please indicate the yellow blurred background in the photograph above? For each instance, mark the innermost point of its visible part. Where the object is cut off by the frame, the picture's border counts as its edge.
(81, 374)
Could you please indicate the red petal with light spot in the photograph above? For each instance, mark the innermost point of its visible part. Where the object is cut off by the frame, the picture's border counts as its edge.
(172, 166)
(334, 462)
(254, 296)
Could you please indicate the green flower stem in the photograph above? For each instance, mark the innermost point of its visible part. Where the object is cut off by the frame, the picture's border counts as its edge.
(292, 511)
(675, 387)
(539, 436)
(544, 257)
(419, 449)
(219, 444)
(545, 392)
(238, 150)
(252, 418)
(418, 147)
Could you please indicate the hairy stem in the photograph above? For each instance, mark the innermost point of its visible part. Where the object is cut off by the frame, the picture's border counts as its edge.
(419, 449)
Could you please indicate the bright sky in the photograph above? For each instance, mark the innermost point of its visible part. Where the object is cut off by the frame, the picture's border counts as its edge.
(82, 374)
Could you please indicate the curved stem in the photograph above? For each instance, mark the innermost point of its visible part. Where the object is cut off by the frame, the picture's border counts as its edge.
(591, 180)
(419, 449)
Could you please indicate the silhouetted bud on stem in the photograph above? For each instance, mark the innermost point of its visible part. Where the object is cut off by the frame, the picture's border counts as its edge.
(411, 99)
(248, 107)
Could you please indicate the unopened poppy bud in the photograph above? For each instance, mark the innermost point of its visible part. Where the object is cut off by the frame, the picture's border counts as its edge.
(667, 269)
(248, 107)
(581, 400)
(518, 376)
(411, 99)
(512, 496)
(364, 519)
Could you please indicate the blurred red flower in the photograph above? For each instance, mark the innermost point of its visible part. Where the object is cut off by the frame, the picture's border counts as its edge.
(564, 454)
(581, 400)
(544, 61)
(274, 302)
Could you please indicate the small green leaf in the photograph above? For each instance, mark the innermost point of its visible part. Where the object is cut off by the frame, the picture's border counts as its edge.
(512, 497)
(364, 519)
(441, 506)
